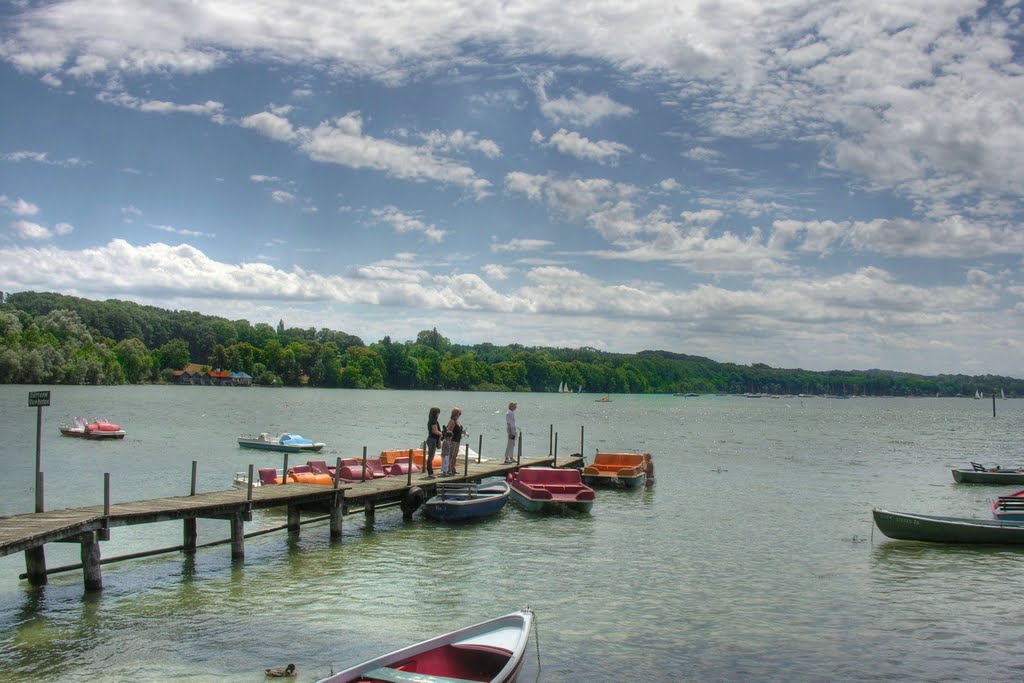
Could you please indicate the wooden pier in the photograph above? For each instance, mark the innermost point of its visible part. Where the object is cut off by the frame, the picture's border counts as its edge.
(88, 526)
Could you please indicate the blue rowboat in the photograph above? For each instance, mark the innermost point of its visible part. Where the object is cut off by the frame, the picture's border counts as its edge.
(458, 502)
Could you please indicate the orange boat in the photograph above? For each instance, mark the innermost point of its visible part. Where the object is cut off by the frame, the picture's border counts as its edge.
(389, 458)
(626, 469)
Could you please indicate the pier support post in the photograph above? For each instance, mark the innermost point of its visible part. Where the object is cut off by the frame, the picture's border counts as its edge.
(91, 561)
(35, 566)
(294, 519)
(369, 511)
(337, 512)
(190, 535)
(237, 536)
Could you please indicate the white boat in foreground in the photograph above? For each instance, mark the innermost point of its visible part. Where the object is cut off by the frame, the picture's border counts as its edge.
(489, 651)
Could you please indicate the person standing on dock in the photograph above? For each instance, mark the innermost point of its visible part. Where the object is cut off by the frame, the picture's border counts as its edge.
(510, 427)
(433, 440)
(453, 432)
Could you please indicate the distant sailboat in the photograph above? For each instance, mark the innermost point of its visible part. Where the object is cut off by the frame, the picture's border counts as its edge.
(977, 394)
(1003, 394)
(562, 389)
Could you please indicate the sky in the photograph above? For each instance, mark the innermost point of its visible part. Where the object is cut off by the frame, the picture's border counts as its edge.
(801, 183)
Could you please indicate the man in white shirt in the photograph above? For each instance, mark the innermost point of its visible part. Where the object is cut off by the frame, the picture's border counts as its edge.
(510, 427)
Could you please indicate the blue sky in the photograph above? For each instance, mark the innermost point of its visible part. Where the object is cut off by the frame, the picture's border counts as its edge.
(826, 185)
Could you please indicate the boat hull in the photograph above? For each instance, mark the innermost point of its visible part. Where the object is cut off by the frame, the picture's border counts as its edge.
(467, 503)
(489, 651)
(285, 443)
(636, 482)
(992, 477)
(933, 529)
(94, 436)
(535, 505)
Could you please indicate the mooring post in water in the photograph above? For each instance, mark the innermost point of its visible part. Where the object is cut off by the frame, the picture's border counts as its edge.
(993, 403)
(104, 533)
(237, 536)
(294, 519)
(337, 510)
(190, 525)
(337, 502)
(91, 561)
(38, 399)
(35, 566)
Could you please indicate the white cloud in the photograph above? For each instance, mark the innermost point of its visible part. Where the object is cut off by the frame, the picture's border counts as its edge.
(34, 231)
(520, 245)
(44, 158)
(209, 109)
(578, 109)
(574, 144)
(459, 140)
(271, 125)
(403, 222)
(19, 207)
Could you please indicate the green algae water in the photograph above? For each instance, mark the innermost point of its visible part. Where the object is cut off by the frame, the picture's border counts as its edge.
(754, 558)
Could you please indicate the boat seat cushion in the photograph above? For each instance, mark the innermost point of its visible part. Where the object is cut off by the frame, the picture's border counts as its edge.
(386, 673)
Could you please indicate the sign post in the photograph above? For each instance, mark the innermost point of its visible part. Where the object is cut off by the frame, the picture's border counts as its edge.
(39, 399)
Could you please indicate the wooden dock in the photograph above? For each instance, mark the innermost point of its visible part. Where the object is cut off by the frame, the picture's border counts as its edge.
(88, 526)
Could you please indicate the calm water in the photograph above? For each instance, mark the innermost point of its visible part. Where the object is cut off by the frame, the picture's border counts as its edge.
(753, 559)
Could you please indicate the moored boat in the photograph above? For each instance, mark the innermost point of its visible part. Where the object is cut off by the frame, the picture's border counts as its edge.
(457, 502)
(992, 474)
(537, 488)
(907, 526)
(489, 651)
(98, 429)
(284, 443)
(616, 469)
(1009, 507)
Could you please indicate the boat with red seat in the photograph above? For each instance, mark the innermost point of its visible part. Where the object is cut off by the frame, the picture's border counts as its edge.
(537, 488)
(98, 429)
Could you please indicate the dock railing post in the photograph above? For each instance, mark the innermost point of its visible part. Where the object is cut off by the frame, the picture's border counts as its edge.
(408, 478)
(248, 489)
(364, 463)
(581, 440)
(551, 439)
(519, 451)
(465, 471)
(195, 470)
(284, 471)
(190, 525)
(479, 448)
(104, 533)
(554, 452)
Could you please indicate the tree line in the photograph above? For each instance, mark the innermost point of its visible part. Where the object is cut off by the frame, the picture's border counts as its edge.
(48, 338)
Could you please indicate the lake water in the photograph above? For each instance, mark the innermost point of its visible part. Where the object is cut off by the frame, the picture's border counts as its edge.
(754, 558)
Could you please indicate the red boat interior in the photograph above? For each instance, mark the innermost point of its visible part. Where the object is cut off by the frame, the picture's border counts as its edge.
(446, 664)
(542, 483)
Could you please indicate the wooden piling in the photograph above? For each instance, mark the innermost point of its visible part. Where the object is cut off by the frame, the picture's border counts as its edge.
(104, 533)
(238, 535)
(91, 572)
(35, 566)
